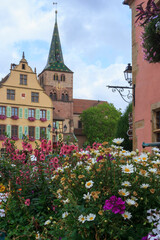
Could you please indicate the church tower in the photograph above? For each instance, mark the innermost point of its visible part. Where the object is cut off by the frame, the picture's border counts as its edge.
(57, 81)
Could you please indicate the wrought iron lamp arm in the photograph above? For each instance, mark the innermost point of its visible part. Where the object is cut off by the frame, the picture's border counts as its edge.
(120, 90)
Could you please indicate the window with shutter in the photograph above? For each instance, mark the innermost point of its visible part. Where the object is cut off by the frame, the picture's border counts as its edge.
(26, 113)
(37, 132)
(20, 112)
(9, 131)
(37, 114)
(20, 132)
(8, 111)
(48, 115)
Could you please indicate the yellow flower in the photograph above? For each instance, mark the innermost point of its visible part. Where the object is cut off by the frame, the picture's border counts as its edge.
(73, 175)
(95, 195)
(2, 187)
(100, 212)
(152, 190)
(81, 176)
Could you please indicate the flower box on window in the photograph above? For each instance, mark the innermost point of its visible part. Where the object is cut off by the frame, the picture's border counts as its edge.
(43, 119)
(14, 117)
(32, 119)
(32, 139)
(14, 138)
(3, 117)
(2, 137)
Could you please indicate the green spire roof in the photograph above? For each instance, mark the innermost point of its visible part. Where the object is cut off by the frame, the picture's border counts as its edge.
(55, 59)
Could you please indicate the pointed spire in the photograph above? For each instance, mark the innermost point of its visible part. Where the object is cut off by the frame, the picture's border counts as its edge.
(23, 55)
(55, 52)
(55, 60)
(56, 16)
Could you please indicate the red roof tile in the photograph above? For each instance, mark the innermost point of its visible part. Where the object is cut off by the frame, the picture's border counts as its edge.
(79, 105)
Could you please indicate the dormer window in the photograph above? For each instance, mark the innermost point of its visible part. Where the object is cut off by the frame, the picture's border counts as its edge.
(23, 66)
(23, 79)
(55, 76)
(62, 77)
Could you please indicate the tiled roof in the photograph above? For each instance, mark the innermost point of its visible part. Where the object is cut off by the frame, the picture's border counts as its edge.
(79, 105)
(4, 79)
(58, 66)
(55, 60)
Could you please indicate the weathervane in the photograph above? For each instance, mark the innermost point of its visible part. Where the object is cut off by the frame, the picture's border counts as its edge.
(54, 3)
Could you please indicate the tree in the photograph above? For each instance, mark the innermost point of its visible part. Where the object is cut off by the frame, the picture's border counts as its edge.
(100, 122)
(122, 128)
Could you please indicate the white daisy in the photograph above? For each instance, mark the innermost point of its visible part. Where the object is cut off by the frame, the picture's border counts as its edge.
(134, 198)
(118, 140)
(152, 170)
(129, 168)
(65, 214)
(66, 201)
(89, 184)
(33, 158)
(123, 192)
(127, 215)
(155, 149)
(82, 218)
(87, 196)
(47, 222)
(130, 202)
(126, 184)
(91, 217)
(143, 157)
(144, 185)
(156, 162)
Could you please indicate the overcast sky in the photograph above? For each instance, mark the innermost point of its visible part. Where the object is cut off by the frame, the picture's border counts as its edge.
(95, 38)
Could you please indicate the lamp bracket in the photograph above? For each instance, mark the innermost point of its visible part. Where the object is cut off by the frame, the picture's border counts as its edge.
(127, 97)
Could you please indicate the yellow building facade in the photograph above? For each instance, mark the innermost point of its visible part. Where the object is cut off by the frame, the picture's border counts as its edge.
(25, 109)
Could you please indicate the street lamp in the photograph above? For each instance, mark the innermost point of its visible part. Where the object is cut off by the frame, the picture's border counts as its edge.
(128, 74)
(65, 128)
(131, 90)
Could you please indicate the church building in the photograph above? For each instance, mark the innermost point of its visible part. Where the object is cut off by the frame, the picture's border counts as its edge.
(57, 81)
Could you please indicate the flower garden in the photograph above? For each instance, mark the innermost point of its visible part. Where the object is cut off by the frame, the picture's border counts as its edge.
(102, 192)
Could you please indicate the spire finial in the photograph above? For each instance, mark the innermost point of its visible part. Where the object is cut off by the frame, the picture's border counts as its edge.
(54, 3)
(23, 55)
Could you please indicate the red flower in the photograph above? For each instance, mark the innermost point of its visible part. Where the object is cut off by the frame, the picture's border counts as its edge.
(42, 157)
(27, 202)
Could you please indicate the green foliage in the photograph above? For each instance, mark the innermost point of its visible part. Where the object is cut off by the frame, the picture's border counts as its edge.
(122, 128)
(151, 40)
(100, 122)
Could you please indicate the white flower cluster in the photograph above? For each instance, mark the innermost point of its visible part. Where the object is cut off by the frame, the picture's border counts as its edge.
(89, 218)
(3, 198)
(154, 218)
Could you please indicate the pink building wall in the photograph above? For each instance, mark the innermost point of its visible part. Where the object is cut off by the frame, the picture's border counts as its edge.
(146, 77)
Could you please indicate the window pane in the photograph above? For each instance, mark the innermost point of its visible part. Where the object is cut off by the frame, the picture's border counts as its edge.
(14, 131)
(2, 129)
(10, 94)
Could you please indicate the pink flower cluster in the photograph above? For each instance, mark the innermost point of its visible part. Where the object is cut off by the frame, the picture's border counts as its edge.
(32, 139)
(116, 205)
(2, 137)
(43, 119)
(3, 117)
(14, 138)
(14, 117)
(31, 119)
(68, 149)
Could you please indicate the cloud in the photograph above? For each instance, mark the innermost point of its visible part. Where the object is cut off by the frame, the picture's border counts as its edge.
(95, 37)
